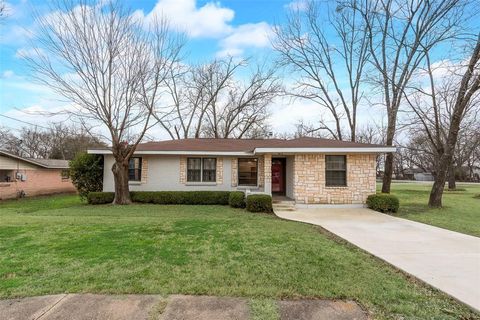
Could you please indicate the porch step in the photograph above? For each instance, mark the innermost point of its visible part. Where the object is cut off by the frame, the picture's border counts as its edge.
(283, 205)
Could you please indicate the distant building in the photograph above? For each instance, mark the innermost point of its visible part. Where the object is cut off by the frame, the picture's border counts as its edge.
(424, 176)
(30, 177)
(418, 175)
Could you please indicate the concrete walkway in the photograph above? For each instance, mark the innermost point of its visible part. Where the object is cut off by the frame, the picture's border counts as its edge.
(175, 307)
(447, 260)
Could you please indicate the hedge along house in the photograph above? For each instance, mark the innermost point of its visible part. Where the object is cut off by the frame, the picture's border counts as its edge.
(31, 177)
(307, 170)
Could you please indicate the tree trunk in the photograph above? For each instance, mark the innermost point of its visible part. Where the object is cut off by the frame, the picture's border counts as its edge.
(435, 200)
(120, 176)
(387, 173)
(451, 177)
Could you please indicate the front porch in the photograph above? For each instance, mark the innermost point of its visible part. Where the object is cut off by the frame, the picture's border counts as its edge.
(307, 179)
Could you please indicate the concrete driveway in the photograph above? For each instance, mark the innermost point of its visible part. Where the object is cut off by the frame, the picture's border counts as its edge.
(447, 260)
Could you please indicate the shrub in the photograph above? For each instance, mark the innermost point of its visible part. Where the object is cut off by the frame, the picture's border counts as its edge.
(100, 197)
(456, 190)
(383, 202)
(259, 203)
(181, 197)
(86, 172)
(166, 197)
(237, 199)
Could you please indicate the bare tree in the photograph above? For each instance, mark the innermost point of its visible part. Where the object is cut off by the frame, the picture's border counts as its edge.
(209, 101)
(111, 66)
(3, 11)
(244, 112)
(399, 34)
(467, 91)
(321, 56)
(440, 107)
(57, 142)
(67, 141)
(193, 90)
(29, 142)
(8, 141)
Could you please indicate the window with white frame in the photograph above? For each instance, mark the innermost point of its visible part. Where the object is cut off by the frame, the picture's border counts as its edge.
(336, 171)
(201, 169)
(135, 169)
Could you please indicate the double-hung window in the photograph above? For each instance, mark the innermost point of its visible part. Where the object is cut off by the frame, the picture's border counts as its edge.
(201, 169)
(335, 171)
(135, 169)
(247, 171)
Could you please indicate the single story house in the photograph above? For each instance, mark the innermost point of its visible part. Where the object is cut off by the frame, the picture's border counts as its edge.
(418, 175)
(30, 177)
(307, 170)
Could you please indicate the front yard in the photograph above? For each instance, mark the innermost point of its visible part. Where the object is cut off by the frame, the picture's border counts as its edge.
(461, 210)
(57, 244)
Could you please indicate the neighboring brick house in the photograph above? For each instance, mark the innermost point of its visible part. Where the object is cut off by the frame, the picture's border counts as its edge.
(307, 170)
(30, 177)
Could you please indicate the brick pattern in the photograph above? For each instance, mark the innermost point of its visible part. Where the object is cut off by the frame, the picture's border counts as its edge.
(219, 177)
(261, 171)
(267, 172)
(234, 172)
(144, 178)
(309, 180)
(183, 170)
(39, 182)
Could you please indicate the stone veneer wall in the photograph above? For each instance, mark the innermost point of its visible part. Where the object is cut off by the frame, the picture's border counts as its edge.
(144, 170)
(261, 171)
(267, 173)
(234, 172)
(309, 180)
(219, 177)
(183, 170)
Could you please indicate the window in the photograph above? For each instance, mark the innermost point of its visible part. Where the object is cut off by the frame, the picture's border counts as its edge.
(135, 169)
(201, 169)
(209, 170)
(65, 174)
(336, 171)
(7, 175)
(247, 171)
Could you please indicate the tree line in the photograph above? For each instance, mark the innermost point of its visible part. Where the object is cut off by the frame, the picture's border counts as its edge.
(128, 75)
(58, 141)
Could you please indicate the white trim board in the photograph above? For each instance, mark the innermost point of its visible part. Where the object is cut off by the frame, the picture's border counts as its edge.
(200, 153)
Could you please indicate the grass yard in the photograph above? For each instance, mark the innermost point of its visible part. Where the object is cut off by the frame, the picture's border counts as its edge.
(57, 244)
(461, 211)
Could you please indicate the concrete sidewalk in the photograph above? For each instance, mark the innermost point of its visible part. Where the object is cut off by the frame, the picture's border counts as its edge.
(447, 260)
(175, 307)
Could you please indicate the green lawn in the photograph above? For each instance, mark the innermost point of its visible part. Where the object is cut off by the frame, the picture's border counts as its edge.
(460, 212)
(57, 244)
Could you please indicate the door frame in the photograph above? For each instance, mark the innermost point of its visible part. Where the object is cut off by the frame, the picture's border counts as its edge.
(284, 174)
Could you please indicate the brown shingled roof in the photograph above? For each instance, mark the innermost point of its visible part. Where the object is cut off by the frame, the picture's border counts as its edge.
(246, 145)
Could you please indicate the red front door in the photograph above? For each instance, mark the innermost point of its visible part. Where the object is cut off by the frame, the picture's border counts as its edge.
(278, 176)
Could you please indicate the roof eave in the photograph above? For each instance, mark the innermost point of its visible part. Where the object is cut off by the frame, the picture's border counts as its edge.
(11, 155)
(327, 150)
(258, 151)
(172, 152)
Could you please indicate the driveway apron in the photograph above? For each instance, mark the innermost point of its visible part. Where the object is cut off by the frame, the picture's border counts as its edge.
(447, 260)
